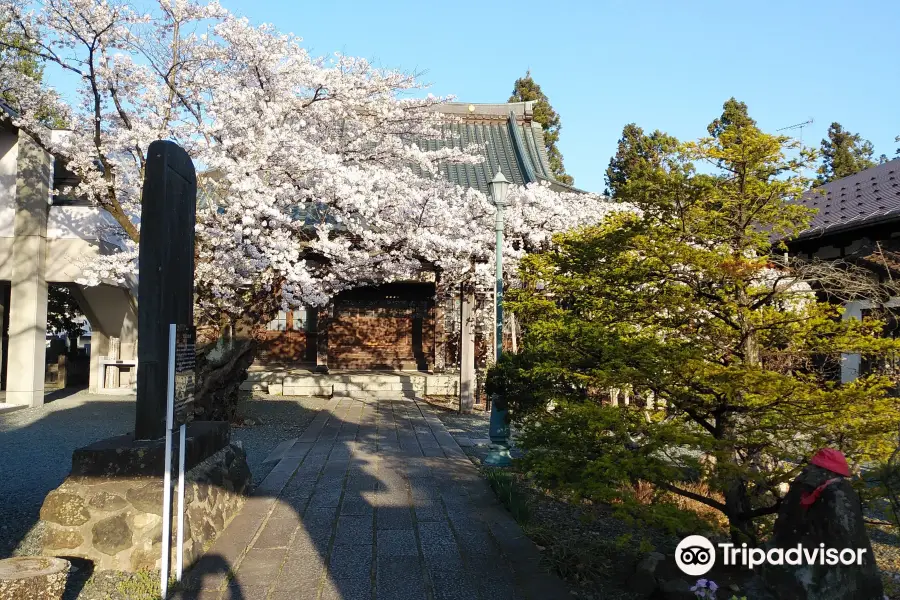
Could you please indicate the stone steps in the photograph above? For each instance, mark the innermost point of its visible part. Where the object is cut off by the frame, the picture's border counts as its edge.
(374, 384)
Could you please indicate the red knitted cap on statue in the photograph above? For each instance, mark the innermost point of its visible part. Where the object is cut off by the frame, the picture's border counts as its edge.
(833, 460)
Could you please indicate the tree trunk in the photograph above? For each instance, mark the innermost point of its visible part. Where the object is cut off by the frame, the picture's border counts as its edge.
(221, 369)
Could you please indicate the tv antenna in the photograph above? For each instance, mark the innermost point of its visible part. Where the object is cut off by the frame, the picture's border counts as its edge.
(799, 126)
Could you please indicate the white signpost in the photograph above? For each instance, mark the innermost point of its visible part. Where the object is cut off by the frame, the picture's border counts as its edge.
(181, 372)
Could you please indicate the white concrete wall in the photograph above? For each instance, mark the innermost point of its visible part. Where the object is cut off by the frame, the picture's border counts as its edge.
(8, 153)
(77, 222)
(41, 243)
(850, 363)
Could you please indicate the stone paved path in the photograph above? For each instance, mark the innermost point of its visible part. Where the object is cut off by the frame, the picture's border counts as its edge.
(374, 501)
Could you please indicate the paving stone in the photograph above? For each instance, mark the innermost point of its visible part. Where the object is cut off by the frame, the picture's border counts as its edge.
(355, 504)
(429, 512)
(283, 510)
(319, 526)
(297, 594)
(455, 585)
(436, 538)
(474, 540)
(397, 542)
(303, 543)
(325, 497)
(296, 503)
(302, 483)
(300, 571)
(337, 464)
(186, 594)
(365, 481)
(449, 561)
(348, 562)
(246, 592)
(354, 531)
(386, 464)
(356, 588)
(259, 567)
(495, 581)
(399, 578)
(315, 515)
(276, 534)
(394, 517)
(541, 585)
(205, 576)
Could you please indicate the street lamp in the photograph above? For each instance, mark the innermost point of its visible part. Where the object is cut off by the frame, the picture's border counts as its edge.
(499, 429)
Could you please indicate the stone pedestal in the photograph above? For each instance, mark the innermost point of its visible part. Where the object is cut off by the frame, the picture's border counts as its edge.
(33, 578)
(109, 509)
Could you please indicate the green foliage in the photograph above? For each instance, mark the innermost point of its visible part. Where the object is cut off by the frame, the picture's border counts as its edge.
(63, 313)
(19, 52)
(735, 117)
(884, 480)
(511, 494)
(636, 153)
(844, 154)
(510, 378)
(687, 304)
(526, 89)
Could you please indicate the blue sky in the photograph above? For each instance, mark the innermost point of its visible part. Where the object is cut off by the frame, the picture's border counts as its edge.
(666, 64)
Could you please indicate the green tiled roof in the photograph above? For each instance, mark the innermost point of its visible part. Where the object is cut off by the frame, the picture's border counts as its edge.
(509, 143)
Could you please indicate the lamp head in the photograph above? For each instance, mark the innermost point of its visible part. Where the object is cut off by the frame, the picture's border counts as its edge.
(499, 189)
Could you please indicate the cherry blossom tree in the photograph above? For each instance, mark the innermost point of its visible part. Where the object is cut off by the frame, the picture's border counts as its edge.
(311, 178)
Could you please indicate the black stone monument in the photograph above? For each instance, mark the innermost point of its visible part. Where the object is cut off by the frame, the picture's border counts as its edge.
(166, 275)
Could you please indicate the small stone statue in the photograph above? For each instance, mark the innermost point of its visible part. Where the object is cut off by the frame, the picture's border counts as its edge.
(821, 512)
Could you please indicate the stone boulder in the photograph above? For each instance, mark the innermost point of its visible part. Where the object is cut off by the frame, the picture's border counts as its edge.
(643, 581)
(64, 508)
(833, 520)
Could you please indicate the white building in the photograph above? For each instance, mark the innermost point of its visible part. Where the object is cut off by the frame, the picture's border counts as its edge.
(45, 240)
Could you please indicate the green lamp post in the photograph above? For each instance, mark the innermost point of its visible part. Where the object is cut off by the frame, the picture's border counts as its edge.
(499, 429)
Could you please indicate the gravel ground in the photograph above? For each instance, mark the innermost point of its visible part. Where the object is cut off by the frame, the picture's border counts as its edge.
(36, 446)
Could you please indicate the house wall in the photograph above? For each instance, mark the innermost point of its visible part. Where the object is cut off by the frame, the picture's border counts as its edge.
(391, 327)
(877, 248)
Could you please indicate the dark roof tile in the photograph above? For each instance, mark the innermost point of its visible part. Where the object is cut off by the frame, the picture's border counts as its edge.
(870, 198)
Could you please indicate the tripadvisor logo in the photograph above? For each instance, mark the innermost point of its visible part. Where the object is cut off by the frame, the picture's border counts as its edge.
(696, 555)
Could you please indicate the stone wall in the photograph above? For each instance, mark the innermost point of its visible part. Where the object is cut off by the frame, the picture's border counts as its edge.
(116, 522)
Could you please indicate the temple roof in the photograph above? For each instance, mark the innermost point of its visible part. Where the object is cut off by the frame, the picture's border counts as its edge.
(512, 141)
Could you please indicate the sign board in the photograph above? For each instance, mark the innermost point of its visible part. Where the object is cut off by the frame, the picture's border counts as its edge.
(185, 372)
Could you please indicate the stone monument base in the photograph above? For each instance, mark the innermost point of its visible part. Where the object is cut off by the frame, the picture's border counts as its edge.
(109, 509)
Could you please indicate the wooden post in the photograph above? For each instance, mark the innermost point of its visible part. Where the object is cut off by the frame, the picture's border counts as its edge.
(111, 374)
(467, 380)
(440, 333)
(62, 376)
(322, 323)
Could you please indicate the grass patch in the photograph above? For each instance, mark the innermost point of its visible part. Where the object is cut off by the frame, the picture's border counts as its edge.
(142, 585)
(511, 493)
